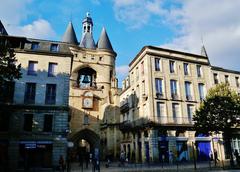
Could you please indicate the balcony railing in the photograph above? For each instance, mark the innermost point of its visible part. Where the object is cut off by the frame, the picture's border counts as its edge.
(126, 124)
(124, 106)
(159, 95)
(175, 96)
(189, 98)
(173, 120)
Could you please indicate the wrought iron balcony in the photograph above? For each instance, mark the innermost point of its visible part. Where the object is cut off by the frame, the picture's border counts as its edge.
(175, 96)
(127, 124)
(124, 106)
(166, 120)
(159, 95)
(189, 98)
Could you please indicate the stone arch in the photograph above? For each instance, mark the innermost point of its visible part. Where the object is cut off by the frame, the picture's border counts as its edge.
(90, 136)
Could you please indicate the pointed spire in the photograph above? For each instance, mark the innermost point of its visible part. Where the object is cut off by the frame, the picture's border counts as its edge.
(104, 42)
(2, 29)
(87, 41)
(69, 35)
(203, 51)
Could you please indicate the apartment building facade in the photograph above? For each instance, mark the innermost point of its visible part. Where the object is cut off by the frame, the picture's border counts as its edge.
(162, 91)
(34, 109)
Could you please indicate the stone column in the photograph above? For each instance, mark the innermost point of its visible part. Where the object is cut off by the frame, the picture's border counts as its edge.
(191, 144)
(153, 146)
(13, 155)
(172, 144)
(143, 147)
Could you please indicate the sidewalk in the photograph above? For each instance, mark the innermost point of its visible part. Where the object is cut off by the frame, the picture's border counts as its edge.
(114, 167)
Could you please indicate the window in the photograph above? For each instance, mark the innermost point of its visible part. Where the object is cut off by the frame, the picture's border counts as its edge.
(143, 87)
(188, 90)
(132, 78)
(137, 74)
(215, 77)
(86, 120)
(142, 67)
(52, 69)
(199, 70)
(4, 120)
(157, 64)
(28, 122)
(7, 92)
(48, 123)
(237, 81)
(185, 67)
(34, 45)
(226, 79)
(50, 94)
(54, 48)
(160, 109)
(32, 68)
(159, 86)
(175, 110)
(173, 85)
(172, 66)
(190, 111)
(30, 91)
(201, 91)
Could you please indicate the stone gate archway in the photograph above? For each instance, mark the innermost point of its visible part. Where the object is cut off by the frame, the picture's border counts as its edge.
(87, 135)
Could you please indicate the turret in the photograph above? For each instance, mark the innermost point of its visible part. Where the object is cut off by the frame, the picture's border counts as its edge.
(70, 35)
(87, 40)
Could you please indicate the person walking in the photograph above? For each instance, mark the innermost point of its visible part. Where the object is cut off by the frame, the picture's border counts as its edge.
(237, 157)
(170, 157)
(215, 157)
(61, 164)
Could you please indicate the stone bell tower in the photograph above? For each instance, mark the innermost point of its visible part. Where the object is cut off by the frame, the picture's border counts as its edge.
(93, 96)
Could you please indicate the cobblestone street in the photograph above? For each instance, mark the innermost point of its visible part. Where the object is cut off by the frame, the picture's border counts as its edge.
(186, 167)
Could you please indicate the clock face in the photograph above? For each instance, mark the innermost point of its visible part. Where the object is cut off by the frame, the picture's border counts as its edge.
(87, 103)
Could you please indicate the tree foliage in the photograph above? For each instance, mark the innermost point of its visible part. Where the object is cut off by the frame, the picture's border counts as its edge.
(220, 111)
(8, 68)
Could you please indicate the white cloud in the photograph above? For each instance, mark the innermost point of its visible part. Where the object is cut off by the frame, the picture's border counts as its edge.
(40, 28)
(217, 21)
(137, 13)
(14, 12)
(122, 72)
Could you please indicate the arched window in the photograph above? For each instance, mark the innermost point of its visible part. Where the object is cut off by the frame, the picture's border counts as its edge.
(86, 78)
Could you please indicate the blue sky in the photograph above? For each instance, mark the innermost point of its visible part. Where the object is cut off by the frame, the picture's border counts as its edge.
(132, 24)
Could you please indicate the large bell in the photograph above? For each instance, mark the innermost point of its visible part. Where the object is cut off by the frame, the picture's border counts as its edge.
(86, 79)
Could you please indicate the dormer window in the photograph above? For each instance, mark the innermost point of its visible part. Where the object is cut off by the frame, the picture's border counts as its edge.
(35, 46)
(54, 47)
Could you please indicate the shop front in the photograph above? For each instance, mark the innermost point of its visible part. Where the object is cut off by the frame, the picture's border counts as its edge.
(35, 154)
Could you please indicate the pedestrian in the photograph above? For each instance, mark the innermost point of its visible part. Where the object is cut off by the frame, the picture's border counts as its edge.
(122, 158)
(61, 164)
(87, 159)
(215, 157)
(237, 157)
(170, 157)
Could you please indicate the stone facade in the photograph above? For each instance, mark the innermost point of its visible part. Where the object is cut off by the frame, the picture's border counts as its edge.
(39, 139)
(93, 96)
(159, 97)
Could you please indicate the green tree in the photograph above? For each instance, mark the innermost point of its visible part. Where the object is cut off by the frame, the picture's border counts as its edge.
(219, 112)
(8, 68)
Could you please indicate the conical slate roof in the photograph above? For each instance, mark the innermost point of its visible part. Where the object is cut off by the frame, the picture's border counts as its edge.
(2, 29)
(87, 41)
(69, 35)
(203, 51)
(104, 42)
